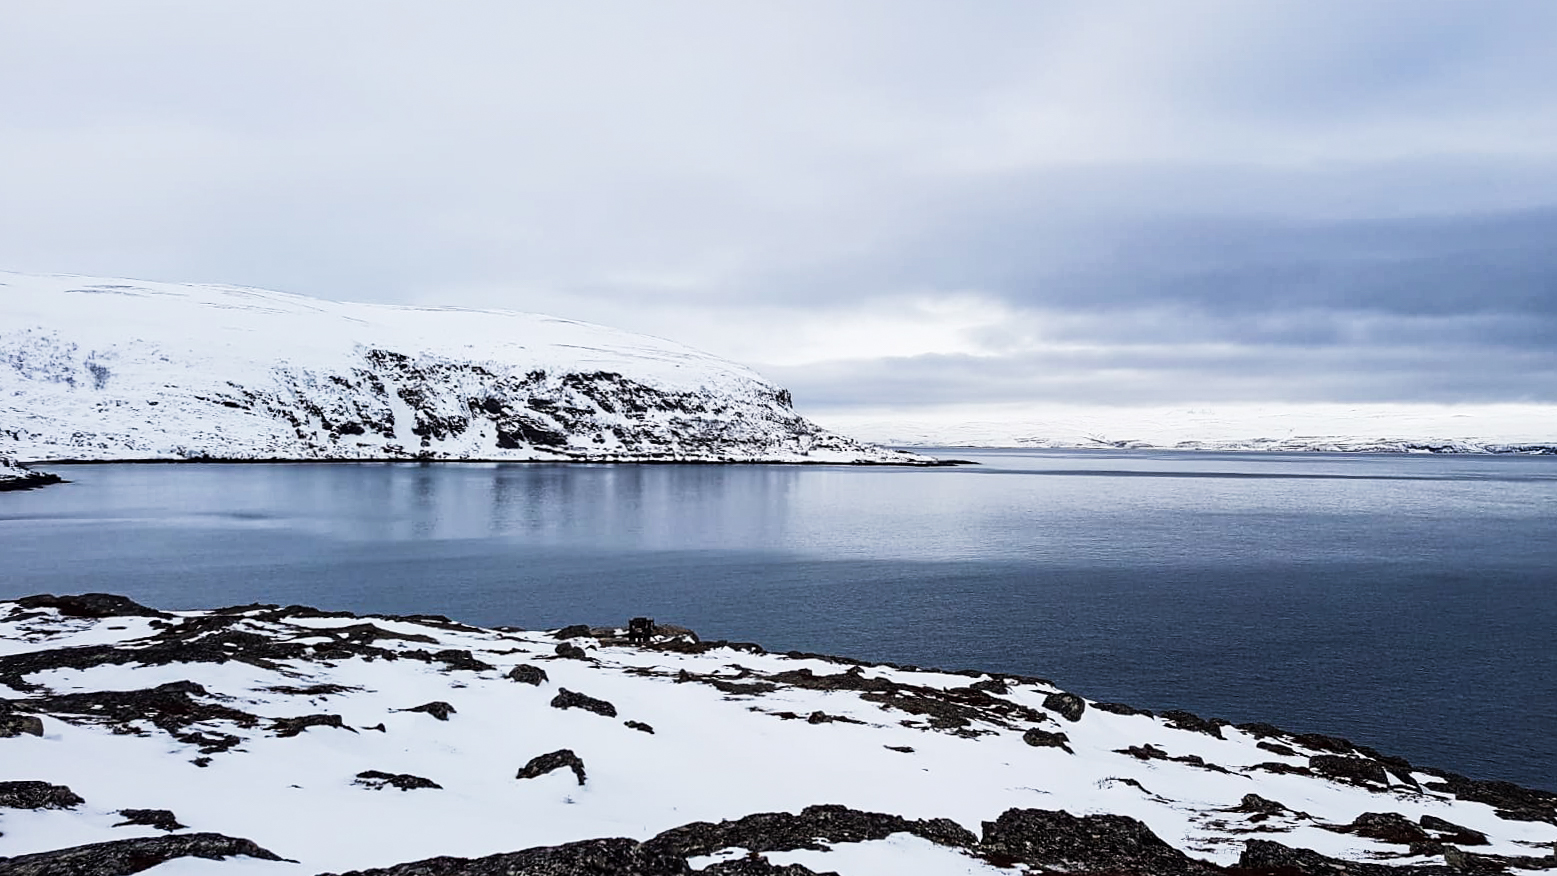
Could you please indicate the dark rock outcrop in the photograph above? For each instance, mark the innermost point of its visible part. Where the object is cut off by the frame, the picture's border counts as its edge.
(1067, 705)
(1057, 840)
(542, 764)
(570, 651)
(91, 605)
(37, 795)
(1356, 770)
(598, 857)
(161, 819)
(814, 825)
(567, 699)
(438, 709)
(288, 727)
(13, 725)
(124, 857)
(524, 673)
(575, 631)
(1182, 720)
(1449, 832)
(1043, 738)
(639, 726)
(377, 781)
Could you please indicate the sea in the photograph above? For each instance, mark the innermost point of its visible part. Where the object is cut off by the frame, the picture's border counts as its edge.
(1407, 602)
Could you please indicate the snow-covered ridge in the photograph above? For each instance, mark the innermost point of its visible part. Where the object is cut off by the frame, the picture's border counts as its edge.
(102, 369)
(289, 740)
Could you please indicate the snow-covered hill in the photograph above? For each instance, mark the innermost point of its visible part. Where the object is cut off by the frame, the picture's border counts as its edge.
(95, 369)
(293, 741)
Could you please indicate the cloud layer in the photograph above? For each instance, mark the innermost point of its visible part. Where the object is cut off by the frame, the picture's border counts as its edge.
(881, 204)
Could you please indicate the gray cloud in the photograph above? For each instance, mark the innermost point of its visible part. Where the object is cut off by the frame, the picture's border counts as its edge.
(1277, 201)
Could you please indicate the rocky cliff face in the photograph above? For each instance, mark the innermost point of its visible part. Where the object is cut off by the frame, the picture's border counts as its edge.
(101, 370)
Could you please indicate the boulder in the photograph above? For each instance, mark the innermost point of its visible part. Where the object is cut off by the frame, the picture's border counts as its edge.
(1068, 705)
(567, 699)
(524, 673)
(552, 760)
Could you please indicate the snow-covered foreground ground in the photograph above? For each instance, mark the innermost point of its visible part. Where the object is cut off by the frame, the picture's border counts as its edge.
(339, 743)
(109, 369)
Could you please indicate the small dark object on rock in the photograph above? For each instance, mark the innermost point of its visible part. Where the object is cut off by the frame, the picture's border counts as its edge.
(1068, 705)
(161, 819)
(640, 726)
(572, 632)
(906, 749)
(288, 727)
(524, 673)
(12, 725)
(93, 605)
(569, 651)
(567, 699)
(377, 781)
(1044, 739)
(37, 795)
(438, 709)
(640, 630)
(123, 857)
(553, 760)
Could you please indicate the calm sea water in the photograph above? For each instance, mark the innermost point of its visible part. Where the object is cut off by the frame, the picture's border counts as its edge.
(1406, 602)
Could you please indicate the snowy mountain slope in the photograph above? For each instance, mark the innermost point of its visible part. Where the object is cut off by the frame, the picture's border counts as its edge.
(1380, 428)
(94, 369)
(348, 744)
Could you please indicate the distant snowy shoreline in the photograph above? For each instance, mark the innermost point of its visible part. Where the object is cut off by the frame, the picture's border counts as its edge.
(289, 740)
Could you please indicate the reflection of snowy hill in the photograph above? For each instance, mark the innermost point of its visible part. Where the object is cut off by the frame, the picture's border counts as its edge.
(118, 369)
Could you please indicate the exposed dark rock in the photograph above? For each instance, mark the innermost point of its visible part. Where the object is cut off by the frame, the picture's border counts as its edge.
(438, 709)
(12, 725)
(1260, 809)
(991, 685)
(524, 673)
(1182, 720)
(37, 795)
(287, 727)
(1449, 832)
(597, 857)
(377, 781)
(124, 857)
(820, 717)
(367, 634)
(311, 690)
(1267, 857)
(1278, 748)
(567, 699)
(1068, 705)
(754, 864)
(1042, 738)
(1122, 709)
(93, 605)
(639, 726)
(457, 659)
(853, 679)
(161, 819)
(905, 749)
(1057, 840)
(569, 651)
(573, 632)
(1389, 827)
(1349, 769)
(1275, 766)
(814, 825)
(552, 760)
(1260, 729)
(170, 707)
(1511, 801)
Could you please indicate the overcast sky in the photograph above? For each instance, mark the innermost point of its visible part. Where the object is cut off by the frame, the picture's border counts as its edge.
(883, 204)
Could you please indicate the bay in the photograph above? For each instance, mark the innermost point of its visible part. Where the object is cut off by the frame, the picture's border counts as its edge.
(1406, 602)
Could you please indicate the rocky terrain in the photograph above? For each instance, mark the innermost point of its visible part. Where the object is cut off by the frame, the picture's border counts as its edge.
(97, 369)
(269, 739)
(16, 477)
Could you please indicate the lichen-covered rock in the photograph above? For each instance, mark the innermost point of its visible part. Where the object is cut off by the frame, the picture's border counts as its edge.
(287, 727)
(93, 605)
(1067, 705)
(524, 673)
(570, 651)
(567, 699)
(1356, 770)
(1057, 840)
(124, 857)
(377, 781)
(597, 857)
(809, 829)
(161, 819)
(13, 725)
(1043, 738)
(438, 709)
(542, 764)
(37, 795)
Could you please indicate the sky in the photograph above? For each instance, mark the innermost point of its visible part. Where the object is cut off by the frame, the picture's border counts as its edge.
(897, 207)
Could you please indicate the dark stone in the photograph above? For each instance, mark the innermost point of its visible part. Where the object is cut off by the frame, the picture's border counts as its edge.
(820, 717)
(37, 795)
(1260, 730)
(1511, 801)
(12, 725)
(1449, 832)
(288, 727)
(597, 857)
(1182, 720)
(1057, 840)
(1349, 769)
(1260, 809)
(377, 781)
(553, 760)
(1068, 705)
(93, 605)
(1262, 857)
(457, 659)
(640, 727)
(124, 857)
(572, 632)
(1287, 769)
(1389, 827)
(1042, 738)
(1122, 709)
(1144, 752)
(567, 699)
(813, 826)
(438, 709)
(161, 819)
(569, 651)
(905, 749)
(1278, 748)
(991, 685)
(524, 673)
